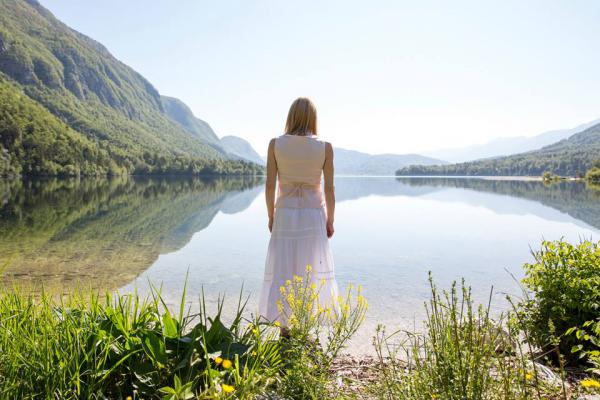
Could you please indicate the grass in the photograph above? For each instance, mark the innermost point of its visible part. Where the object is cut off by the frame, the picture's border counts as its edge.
(465, 354)
(121, 346)
(115, 346)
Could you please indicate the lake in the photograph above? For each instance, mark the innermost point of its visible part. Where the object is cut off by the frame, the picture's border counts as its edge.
(123, 233)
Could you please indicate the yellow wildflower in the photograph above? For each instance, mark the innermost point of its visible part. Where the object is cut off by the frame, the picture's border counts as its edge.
(227, 364)
(227, 388)
(128, 398)
(308, 268)
(526, 374)
(218, 360)
(590, 383)
(282, 290)
(297, 278)
(276, 323)
(288, 282)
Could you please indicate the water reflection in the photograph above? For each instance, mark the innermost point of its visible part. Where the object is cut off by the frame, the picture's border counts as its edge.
(575, 199)
(103, 233)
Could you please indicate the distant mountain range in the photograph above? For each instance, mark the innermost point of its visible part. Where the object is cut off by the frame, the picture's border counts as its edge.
(68, 107)
(346, 162)
(507, 146)
(350, 162)
(568, 157)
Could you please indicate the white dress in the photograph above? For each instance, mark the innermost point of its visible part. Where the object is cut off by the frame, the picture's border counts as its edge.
(299, 236)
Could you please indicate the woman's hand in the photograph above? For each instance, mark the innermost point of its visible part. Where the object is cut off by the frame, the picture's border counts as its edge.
(270, 224)
(329, 228)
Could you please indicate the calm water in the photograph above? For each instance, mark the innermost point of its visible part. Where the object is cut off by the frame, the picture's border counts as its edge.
(123, 233)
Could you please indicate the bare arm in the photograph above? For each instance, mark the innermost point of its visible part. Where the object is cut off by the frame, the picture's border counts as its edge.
(271, 182)
(329, 188)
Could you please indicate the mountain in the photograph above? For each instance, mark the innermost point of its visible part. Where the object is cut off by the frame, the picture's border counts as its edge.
(347, 162)
(350, 162)
(69, 107)
(567, 157)
(507, 146)
(179, 112)
(241, 148)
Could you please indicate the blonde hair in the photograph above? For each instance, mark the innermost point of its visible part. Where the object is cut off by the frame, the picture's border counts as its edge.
(302, 118)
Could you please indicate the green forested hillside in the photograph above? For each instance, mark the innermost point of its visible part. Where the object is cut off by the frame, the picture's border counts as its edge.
(568, 157)
(36, 142)
(95, 96)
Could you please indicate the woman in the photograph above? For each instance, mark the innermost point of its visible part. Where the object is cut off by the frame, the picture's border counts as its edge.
(300, 227)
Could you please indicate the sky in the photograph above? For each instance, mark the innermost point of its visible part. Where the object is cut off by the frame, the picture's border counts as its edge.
(386, 76)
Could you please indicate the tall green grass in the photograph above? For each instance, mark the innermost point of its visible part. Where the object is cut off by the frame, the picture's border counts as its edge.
(118, 345)
(463, 354)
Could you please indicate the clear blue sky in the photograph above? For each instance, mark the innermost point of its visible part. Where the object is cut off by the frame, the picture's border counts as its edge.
(387, 76)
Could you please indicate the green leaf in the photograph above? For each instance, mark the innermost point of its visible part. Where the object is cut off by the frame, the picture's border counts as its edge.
(170, 326)
(168, 390)
(155, 349)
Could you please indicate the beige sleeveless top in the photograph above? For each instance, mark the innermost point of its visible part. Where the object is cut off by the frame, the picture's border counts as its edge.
(300, 161)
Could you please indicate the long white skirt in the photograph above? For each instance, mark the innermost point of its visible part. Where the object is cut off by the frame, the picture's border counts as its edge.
(298, 238)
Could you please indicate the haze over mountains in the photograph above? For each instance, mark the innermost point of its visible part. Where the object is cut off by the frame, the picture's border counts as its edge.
(573, 156)
(350, 162)
(507, 146)
(178, 111)
(241, 148)
(68, 107)
(347, 162)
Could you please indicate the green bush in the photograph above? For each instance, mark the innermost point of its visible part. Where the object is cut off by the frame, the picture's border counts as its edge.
(593, 175)
(549, 177)
(564, 282)
(590, 334)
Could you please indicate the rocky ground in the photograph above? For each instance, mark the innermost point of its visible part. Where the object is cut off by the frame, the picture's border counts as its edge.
(356, 376)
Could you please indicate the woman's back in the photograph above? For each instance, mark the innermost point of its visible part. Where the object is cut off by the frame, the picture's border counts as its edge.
(299, 159)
